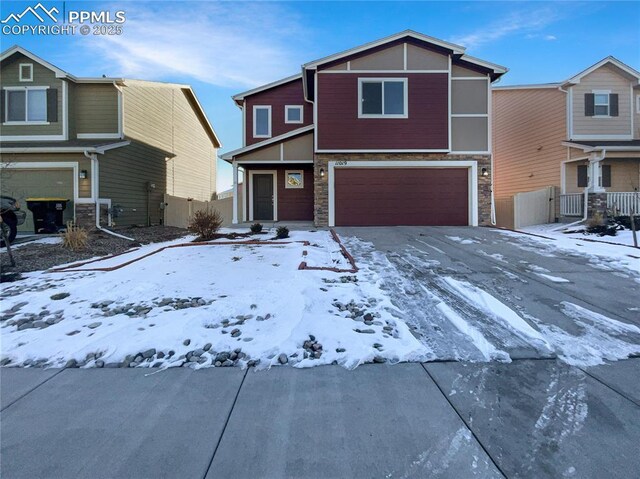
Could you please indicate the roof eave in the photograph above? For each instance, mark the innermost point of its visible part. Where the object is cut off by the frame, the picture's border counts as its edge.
(228, 156)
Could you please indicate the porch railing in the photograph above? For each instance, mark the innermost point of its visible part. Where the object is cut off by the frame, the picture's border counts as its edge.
(623, 203)
(572, 205)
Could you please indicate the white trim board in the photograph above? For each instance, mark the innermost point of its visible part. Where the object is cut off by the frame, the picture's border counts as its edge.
(471, 165)
(269, 122)
(273, 173)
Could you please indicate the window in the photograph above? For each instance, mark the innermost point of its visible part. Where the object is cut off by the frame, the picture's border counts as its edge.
(606, 176)
(638, 104)
(293, 114)
(601, 104)
(28, 105)
(261, 121)
(26, 71)
(294, 179)
(382, 98)
(583, 176)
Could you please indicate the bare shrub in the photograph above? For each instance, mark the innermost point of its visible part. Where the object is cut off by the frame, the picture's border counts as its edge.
(205, 223)
(75, 237)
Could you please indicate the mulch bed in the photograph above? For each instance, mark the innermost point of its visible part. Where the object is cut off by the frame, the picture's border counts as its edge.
(35, 257)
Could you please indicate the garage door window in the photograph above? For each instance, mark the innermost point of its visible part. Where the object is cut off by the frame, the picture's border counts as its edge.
(26, 105)
(382, 98)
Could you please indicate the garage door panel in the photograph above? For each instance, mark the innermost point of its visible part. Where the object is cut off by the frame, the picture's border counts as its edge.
(29, 183)
(401, 196)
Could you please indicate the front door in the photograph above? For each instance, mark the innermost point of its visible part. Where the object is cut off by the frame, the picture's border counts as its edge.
(263, 197)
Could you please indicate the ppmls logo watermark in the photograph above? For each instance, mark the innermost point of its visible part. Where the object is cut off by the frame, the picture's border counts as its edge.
(40, 20)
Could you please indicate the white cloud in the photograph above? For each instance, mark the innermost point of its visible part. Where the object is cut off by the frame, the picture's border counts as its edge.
(514, 23)
(224, 44)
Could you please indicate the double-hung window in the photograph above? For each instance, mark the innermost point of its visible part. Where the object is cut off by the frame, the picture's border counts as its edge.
(601, 104)
(383, 98)
(262, 121)
(26, 105)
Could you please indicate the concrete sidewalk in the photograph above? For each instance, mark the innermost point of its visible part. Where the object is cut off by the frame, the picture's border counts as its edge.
(529, 418)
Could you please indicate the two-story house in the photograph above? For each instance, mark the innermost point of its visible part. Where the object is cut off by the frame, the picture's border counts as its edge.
(581, 136)
(394, 132)
(112, 146)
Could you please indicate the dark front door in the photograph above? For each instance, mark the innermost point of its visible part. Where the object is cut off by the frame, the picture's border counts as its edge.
(263, 197)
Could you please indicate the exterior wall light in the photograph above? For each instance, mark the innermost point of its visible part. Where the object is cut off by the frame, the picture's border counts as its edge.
(321, 172)
(83, 174)
(485, 172)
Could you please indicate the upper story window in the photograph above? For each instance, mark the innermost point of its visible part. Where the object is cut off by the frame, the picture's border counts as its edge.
(601, 103)
(25, 71)
(293, 114)
(382, 98)
(262, 121)
(26, 105)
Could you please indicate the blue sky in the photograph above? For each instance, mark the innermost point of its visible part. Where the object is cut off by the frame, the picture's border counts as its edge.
(222, 48)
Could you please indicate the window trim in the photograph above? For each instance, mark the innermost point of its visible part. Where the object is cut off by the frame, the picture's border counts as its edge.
(21, 78)
(26, 89)
(287, 186)
(404, 80)
(638, 104)
(292, 107)
(595, 105)
(257, 107)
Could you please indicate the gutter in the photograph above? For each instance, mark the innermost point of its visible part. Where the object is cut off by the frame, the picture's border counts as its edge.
(95, 193)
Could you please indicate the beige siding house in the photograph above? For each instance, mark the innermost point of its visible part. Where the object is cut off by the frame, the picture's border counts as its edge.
(580, 136)
(113, 147)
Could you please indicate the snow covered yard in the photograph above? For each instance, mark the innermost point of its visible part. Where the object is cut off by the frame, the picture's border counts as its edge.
(201, 306)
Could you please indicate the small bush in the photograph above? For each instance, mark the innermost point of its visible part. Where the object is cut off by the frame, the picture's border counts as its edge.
(205, 223)
(256, 228)
(75, 237)
(282, 232)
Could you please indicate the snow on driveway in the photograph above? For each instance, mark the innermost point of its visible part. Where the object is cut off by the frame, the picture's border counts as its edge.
(460, 320)
(206, 305)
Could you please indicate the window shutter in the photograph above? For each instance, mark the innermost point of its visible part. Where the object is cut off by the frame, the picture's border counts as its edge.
(2, 105)
(588, 104)
(52, 105)
(582, 176)
(613, 104)
(606, 176)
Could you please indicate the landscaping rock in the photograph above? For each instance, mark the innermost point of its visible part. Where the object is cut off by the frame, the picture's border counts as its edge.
(72, 363)
(207, 347)
(235, 333)
(186, 342)
(379, 359)
(160, 355)
(283, 359)
(340, 350)
(94, 325)
(364, 331)
(59, 296)
(149, 353)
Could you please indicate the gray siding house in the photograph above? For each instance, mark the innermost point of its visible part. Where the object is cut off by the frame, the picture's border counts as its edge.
(114, 147)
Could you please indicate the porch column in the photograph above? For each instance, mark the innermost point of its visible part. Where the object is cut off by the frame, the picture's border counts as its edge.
(595, 173)
(235, 194)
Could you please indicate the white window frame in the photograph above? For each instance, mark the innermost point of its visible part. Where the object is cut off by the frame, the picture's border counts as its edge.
(293, 107)
(26, 121)
(286, 182)
(258, 107)
(608, 105)
(30, 65)
(638, 104)
(405, 81)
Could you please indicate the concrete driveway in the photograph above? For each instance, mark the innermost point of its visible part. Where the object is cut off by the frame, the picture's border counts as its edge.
(479, 294)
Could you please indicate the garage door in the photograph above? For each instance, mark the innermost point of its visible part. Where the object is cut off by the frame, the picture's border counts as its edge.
(28, 183)
(401, 196)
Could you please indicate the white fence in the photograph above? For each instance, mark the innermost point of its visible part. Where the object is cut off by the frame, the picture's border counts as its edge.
(534, 207)
(624, 203)
(572, 205)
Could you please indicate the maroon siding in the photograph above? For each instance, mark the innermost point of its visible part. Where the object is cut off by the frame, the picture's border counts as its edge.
(339, 127)
(288, 94)
(293, 204)
(401, 196)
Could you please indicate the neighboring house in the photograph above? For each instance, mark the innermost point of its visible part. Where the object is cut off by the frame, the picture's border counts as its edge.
(394, 132)
(581, 136)
(110, 145)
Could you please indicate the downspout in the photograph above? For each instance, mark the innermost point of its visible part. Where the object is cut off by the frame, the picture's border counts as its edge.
(95, 193)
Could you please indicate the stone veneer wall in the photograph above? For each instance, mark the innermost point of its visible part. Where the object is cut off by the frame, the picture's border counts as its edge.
(596, 204)
(86, 216)
(321, 184)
